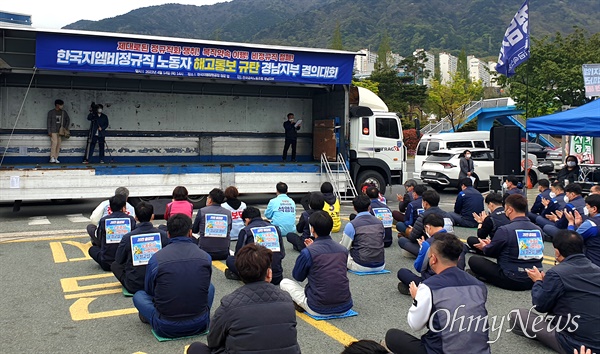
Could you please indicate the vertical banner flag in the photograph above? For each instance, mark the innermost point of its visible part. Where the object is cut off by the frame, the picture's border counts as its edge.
(515, 45)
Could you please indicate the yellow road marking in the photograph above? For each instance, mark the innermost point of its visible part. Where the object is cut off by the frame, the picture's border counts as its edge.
(60, 256)
(323, 326)
(93, 293)
(46, 238)
(80, 310)
(329, 329)
(72, 284)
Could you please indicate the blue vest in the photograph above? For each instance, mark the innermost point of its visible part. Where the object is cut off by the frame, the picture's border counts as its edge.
(454, 290)
(367, 247)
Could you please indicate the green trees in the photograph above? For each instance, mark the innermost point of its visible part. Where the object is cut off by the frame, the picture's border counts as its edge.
(414, 66)
(450, 100)
(383, 63)
(553, 72)
(336, 42)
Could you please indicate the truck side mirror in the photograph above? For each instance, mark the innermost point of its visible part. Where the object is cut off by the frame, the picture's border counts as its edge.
(360, 111)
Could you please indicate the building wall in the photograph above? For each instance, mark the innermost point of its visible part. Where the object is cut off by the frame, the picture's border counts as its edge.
(155, 112)
(448, 67)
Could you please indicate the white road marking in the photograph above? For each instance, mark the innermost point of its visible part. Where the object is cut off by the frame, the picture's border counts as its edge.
(77, 218)
(38, 220)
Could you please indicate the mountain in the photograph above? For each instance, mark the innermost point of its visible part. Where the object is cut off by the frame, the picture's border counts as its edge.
(476, 25)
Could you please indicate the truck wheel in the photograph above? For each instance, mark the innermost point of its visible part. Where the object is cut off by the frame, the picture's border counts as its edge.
(371, 177)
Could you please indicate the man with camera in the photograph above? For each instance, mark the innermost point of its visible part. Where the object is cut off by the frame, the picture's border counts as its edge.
(97, 131)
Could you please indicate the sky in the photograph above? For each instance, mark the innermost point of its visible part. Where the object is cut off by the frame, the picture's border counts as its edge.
(59, 13)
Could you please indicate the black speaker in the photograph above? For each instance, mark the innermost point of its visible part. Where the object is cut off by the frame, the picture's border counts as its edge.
(506, 141)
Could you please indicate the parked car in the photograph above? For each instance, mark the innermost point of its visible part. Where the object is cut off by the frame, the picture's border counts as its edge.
(538, 150)
(442, 167)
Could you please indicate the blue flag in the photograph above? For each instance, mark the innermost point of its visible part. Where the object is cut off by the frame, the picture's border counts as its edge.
(515, 46)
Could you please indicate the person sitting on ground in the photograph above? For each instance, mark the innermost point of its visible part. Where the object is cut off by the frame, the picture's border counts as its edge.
(324, 263)
(431, 199)
(569, 173)
(363, 237)
(281, 210)
(404, 200)
(260, 232)
(317, 202)
(551, 205)
(488, 224)
(111, 229)
(544, 189)
(383, 213)
(450, 291)
(413, 210)
(365, 346)
(433, 224)
(179, 204)
(332, 206)
(251, 331)
(213, 225)
(468, 202)
(589, 229)
(557, 220)
(511, 184)
(569, 294)
(130, 275)
(236, 207)
(518, 245)
(595, 189)
(104, 209)
(178, 293)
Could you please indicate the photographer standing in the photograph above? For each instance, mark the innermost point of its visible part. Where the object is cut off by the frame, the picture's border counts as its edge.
(98, 131)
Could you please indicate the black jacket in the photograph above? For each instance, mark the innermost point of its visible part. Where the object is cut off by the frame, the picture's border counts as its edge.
(256, 318)
(98, 121)
(418, 229)
(572, 288)
(108, 250)
(291, 131)
(492, 223)
(133, 277)
(246, 237)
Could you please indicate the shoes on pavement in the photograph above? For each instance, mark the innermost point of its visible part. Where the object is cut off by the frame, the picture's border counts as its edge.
(143, 319)
(231, 275)
(52, 160)
(56, 161)
(403, 288)
(299, 308)
(407, 254)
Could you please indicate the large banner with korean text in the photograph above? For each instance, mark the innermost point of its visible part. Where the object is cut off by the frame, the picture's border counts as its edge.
(83, 53)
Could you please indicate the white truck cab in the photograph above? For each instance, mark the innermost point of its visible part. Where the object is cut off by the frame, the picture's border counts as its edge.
(377, 151)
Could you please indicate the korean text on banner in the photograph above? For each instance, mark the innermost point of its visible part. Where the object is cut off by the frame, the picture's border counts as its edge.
(88, 53)
(116, 228)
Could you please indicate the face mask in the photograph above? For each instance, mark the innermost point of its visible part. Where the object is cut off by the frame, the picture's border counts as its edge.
(571, 163)
(566, 199)
(504, 185)
(99, 110)
(586, 211)
(468, 156)
(552, 195)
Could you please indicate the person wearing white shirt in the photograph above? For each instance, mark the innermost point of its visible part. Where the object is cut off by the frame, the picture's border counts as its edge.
(440, 302)
(102, 210)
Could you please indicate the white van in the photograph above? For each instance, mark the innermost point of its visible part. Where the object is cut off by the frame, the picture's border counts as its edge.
(445, 141)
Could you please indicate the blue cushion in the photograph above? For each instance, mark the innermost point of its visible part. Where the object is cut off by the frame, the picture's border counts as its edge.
(384, 271)
(348, 313)
(165, 339)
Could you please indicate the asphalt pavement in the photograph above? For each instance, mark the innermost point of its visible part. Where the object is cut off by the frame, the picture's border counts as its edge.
(57, 300)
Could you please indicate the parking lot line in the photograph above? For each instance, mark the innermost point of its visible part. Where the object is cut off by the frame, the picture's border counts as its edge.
(323, 326)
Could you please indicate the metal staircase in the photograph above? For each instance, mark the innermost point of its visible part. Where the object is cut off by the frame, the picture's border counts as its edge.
(444, 124)
(338, 175)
